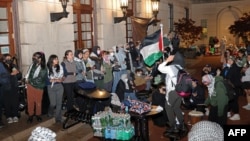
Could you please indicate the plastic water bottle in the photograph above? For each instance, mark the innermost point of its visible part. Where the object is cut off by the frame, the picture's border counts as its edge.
(126, 109)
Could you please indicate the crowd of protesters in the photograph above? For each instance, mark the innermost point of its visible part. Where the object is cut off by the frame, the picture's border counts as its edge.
(121, 70)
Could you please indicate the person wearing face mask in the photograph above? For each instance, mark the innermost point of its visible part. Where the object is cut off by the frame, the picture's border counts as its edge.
(233, 74)
(36, 81)
(96, 56)
(10, 89)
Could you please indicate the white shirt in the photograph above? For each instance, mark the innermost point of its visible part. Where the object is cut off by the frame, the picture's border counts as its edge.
(171, 72)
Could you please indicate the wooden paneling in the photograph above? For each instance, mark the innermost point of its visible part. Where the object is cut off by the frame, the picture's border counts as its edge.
(8, 5)
(80, 9)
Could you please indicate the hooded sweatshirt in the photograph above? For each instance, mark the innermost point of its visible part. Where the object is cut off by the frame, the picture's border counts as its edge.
(219, 97)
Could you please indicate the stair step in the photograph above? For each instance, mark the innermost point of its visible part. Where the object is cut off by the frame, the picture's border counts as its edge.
(79, 132)
(21, 131)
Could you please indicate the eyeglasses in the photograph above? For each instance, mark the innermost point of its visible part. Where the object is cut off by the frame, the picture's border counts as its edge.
(164, 89)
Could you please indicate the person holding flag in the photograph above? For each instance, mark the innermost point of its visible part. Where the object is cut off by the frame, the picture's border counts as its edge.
(151, 50)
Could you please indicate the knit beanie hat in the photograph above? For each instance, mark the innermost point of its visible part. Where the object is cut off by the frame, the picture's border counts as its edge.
(206, 131)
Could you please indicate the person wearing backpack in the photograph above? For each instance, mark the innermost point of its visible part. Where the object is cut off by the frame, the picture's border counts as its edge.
(173, 100)
(217, 99)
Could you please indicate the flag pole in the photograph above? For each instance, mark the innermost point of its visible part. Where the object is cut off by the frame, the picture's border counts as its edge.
(161, 25)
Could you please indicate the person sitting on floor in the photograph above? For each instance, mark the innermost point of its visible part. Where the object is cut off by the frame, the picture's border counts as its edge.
(197, 98)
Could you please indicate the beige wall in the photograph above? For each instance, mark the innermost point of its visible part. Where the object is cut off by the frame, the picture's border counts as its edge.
(37, 33)
(219, 17)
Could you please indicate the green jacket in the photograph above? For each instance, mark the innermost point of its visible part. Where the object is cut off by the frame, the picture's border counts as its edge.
(219, 98)
(108, 76)
(38, 82)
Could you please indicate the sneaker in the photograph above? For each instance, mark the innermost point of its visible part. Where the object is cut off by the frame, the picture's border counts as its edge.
(15, 119)
(9, 120)
(246, 106)
(229, 114)
(235, 117)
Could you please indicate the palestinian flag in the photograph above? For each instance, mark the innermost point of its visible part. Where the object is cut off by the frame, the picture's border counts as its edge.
(152, 47)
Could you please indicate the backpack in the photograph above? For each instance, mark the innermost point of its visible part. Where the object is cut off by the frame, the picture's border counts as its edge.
(183, 85)
(229, 88)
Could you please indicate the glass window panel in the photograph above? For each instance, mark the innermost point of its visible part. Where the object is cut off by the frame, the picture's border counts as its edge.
(75, 27)
(86, 26)
(129, 20)
(89, 44)
(129, 27)
(76, 35)
(86, 35)
(3, 13)
(4, 39)
(83, 27)
(83, 17)
(129, 34)
(86, 17)
(5, 49)
(74, 17)
(89, 35)
(85, 2)
(84, 44)
(3, 26)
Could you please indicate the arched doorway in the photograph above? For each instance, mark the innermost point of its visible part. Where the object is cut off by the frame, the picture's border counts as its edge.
(225, 18)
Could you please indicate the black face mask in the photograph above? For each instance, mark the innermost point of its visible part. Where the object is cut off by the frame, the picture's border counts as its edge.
(8, 62)
(35, 61)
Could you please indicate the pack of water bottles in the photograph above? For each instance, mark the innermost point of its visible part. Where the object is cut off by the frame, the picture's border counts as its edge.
(112, 125)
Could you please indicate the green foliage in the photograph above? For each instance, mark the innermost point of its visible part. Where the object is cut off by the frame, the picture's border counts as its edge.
(241, 28)
(188, 31)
